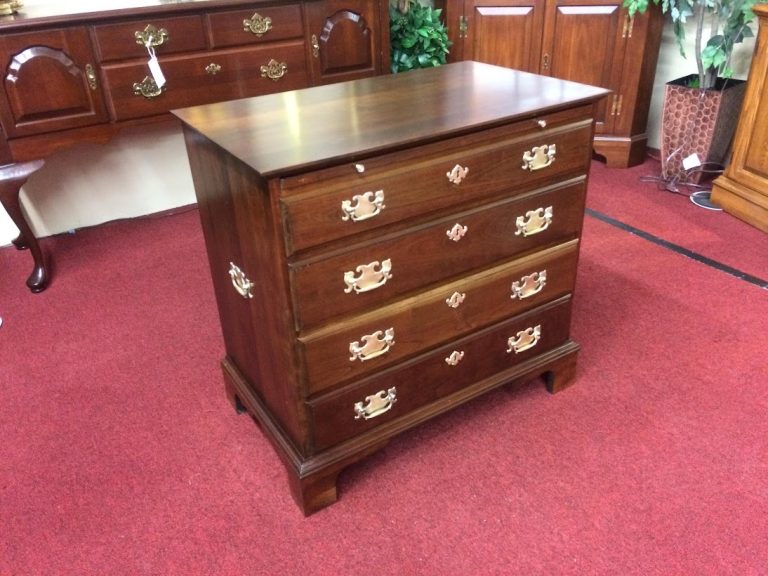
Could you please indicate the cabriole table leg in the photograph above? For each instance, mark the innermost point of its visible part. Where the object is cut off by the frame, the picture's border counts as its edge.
(12, 178)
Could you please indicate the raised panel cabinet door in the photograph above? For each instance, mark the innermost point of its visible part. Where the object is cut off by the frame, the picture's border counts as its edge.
(585, 42)
(343, 40)
(50, 82)
(504, 33)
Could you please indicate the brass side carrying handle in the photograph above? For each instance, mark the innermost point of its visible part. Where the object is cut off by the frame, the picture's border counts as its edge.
(534, 221)
(529, 285)
(147, 88)
(368, 277)
(151, 36)
(240, 281)
(274, 70)
(257, 24)
(376, 404)
(524, 340)
(372, 345)
(362, 206)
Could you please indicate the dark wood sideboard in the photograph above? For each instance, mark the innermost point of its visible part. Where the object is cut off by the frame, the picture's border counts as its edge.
(73, 74)
(385, 249)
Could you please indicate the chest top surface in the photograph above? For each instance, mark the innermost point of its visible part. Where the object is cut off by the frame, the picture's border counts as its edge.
(295, 131)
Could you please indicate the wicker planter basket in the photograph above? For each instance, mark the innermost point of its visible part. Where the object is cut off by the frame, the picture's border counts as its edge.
(700, 122)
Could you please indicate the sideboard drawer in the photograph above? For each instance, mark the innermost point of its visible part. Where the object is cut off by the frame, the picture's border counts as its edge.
(438, 374)
(257, 25)
(339, 202)
(329, 287)
(173, 36)
(407, 328)
(212, 77)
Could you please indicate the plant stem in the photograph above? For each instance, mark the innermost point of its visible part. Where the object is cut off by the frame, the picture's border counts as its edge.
(699, 32)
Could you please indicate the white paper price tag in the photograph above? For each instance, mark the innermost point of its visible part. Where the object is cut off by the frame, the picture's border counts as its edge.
(157, 73)
(691, 161)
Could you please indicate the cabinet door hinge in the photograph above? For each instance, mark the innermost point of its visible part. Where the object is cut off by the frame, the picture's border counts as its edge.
(616, 106)
(629, 22)
(463, 26)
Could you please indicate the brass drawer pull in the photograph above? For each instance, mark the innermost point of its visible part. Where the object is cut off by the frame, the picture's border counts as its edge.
(240, 281)
(457, 232)
(257, 24)
(542, 123)
(147, 88)
(372, 346)
(213, 69)
(274, 70)
(369, 276)
(457, 174)
(315, 46)
(454, 358)
(456, 300)
(524, 340)
(90, 75)
(529, 285)
(376, 404)
(534, 221)
(363, 206)
(151, 36)
(539, 157)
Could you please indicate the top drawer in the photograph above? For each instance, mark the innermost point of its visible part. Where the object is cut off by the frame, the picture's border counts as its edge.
(347, 200)
(239, 27)
(124, 41)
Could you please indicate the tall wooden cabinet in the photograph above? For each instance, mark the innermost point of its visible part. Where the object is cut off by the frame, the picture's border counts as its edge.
(594, 42)
(743, 189)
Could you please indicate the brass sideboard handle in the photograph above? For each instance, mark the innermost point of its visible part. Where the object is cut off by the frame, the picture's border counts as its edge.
(274, 70)
(457, 174)
(147, 88)
(151, 36)
(369, 276)
(534, 221)
(376, 404)
(372, 346)
(240, 281)
(257, 24)
(213, 69)
(90, 75)
(529, 285)
(315, 46)
(539, 157)
(456, 300)
(457, 232)
(454, 358)
(524, 340)
(362, 206)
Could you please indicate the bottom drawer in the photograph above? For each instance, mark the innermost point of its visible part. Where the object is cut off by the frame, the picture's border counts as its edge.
(394, 393)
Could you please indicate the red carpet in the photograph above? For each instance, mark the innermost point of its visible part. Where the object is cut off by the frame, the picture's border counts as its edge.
(119, 454)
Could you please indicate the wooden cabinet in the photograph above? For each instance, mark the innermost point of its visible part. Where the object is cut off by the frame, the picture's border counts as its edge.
(743, 189)
(49, 82)
(77, 76)
(378, 259)
(591, 42)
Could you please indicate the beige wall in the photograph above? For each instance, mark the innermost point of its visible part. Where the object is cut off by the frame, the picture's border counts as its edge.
(146, 170)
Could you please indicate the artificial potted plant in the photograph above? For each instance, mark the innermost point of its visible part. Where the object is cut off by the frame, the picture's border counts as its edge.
(418, 37)
(700, 111)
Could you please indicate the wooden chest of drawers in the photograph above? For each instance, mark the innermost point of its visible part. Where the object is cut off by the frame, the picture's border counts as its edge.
(385, 249)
